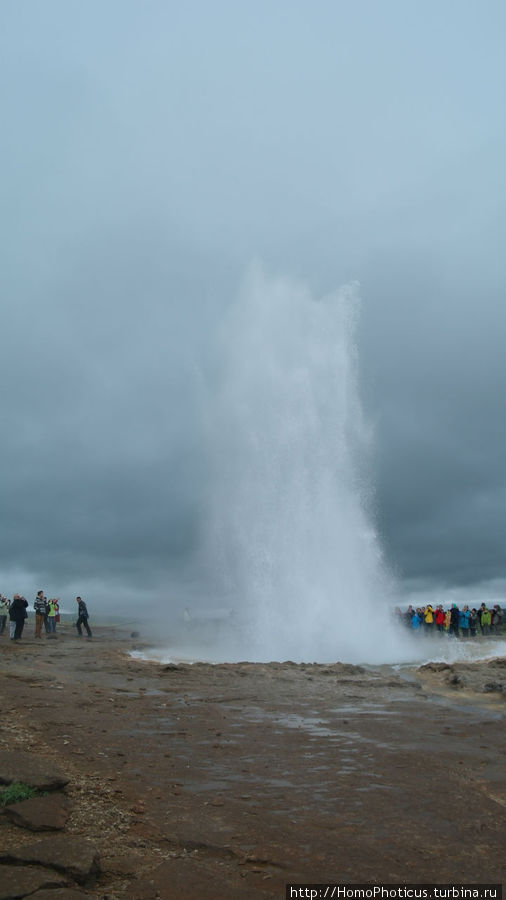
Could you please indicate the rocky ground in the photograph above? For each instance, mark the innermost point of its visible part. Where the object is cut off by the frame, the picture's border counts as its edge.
(231, 781)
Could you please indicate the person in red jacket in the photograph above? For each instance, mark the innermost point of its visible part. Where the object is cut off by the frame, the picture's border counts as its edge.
(440, 619)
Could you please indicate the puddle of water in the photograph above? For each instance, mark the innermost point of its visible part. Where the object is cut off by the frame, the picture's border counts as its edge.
(375, 787)
(365, 709)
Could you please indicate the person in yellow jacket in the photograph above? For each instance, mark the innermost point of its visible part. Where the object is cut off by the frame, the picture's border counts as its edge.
(429, 619)
(53, 611)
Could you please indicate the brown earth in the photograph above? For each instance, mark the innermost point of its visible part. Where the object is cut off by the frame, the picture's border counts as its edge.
(201, 781)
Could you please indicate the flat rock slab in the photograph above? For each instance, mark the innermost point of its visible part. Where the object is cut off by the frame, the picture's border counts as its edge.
(76, 857)
(30, 769)
(40, 813)
(188, 879)
(16, 882)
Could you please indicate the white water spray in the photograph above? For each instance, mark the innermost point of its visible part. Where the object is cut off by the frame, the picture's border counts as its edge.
(288, 540)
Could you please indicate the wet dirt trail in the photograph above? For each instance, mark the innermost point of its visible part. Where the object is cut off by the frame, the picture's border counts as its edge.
(233, 780)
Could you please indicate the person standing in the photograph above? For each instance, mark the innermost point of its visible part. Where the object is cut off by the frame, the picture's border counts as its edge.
(497, 617)
(429, 619)
(4, 611)
(464, 621)
(454, 620)
(440, 619)
(83, 616)
(46, 616)
(53, 610)
(486, 620)
(17, 614)
(40, 612)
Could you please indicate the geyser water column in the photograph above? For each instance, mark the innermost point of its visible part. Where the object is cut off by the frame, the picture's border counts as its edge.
(288, 540)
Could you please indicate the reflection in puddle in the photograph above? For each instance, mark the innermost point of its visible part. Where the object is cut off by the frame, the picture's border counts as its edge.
(316, 727)
(365, 709)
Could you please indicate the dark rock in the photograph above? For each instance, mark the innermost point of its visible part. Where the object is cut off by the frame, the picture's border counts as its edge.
(40, 813)
(493, 687)
(435, 667)
(30, 769)
(63, 894)
(123, 865)
(348, 668)
(16, 882)
(134, 634)
(74, 856)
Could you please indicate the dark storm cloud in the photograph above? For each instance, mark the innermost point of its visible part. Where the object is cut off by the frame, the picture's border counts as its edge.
(148, 154)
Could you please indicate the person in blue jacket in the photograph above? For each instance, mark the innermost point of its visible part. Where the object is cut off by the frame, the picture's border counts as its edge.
(464, 621)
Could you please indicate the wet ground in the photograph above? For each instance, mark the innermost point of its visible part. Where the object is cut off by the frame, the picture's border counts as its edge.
(240, 778)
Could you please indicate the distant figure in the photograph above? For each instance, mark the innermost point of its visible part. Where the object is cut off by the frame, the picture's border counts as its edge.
(82, 613)
(497, 617)
(440, 619)
(454, 620)
(18, 614)
(486, 620)
(52, 614)
(40, 612)
(46, 615)
(464, 621)
(4, 612)
(480, 617)
(429, 619)
(473, 622)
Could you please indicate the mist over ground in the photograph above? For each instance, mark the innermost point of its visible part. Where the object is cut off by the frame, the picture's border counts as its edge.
(150, 156)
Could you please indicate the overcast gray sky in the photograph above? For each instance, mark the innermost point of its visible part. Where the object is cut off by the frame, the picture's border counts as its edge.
(150, 152)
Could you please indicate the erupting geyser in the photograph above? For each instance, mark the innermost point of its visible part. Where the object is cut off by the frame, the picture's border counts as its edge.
(288, 541)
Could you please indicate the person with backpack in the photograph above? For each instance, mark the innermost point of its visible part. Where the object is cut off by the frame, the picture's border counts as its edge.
(82, 617)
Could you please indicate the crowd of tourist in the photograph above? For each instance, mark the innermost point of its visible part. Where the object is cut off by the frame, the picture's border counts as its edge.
(456, 622)
(47, 615)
